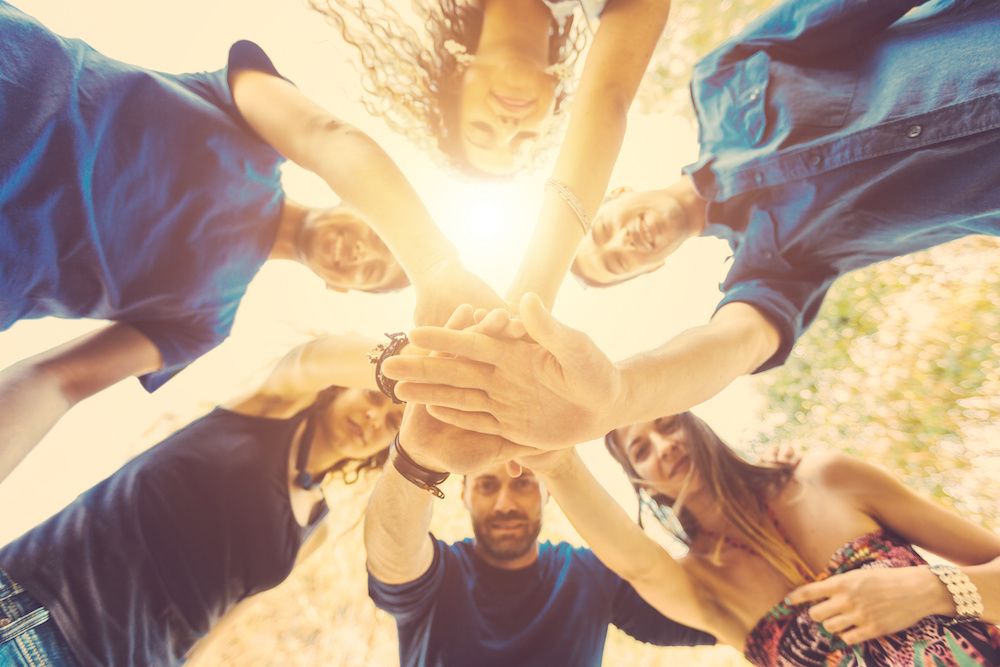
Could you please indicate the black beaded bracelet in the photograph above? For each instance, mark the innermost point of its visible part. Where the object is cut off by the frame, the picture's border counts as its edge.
(381, 352)
(415, 473)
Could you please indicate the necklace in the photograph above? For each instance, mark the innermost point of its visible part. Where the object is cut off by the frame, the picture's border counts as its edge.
(730, 541)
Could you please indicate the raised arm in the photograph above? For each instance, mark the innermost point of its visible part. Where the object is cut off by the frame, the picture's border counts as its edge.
(35, 393)
(864, 604)
(618, 57)
(561, 389)
(367, 179)
(626, 550)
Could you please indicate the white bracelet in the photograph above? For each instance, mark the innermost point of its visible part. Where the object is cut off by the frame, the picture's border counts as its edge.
(572, 201)
(968, 602)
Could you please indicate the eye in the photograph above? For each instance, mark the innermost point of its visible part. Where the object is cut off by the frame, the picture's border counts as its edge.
(639, 449)
(665, 425)
(377, 398)
(522, 484)
(487, 486)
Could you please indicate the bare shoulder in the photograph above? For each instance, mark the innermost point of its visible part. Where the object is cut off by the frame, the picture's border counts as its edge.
(836, 471)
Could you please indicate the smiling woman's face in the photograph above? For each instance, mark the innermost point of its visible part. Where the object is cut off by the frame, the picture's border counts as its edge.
(658, 452)
(504, 107)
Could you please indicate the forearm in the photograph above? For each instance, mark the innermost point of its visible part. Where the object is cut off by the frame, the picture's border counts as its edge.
(691, 368)
(31, 402)
(368, 180)
(396, 529)
(620, 544)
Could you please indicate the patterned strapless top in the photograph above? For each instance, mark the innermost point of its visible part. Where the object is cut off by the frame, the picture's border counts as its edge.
(788, 637)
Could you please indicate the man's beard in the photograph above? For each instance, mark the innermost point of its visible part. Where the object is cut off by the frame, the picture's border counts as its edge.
(509, 544)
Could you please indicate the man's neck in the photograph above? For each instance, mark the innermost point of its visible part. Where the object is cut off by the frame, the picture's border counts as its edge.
(292, 217)
(519, 563)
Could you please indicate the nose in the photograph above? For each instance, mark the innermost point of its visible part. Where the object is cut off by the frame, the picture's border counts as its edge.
(505, 500)
(506, 128)
(667, 446)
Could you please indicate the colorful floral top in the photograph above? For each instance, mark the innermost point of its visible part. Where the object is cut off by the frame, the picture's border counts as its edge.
(788, 637)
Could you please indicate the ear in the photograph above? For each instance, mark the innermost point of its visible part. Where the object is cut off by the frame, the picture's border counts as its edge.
(465, 494)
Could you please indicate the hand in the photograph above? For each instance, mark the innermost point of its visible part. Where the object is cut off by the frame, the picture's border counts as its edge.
(439, 446)
(778, 454)
(444, 286)
(865, 604)
(549, 394)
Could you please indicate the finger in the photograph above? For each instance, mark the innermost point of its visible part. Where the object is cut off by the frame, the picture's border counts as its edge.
(545, 329)
(467, 400)
(480, 314)
(827, 609)
(439, 370)
(810, 592)
(493, 323)
(514, 469)
(481, 422)
(839, 623)
(461, 318)
(859, 635)
(469, 344)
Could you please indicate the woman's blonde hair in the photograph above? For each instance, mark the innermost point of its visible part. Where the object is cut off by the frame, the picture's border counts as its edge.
(411, 80)
(740, 488)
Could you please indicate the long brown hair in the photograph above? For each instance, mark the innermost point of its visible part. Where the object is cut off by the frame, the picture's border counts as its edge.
(740, 488)
(412, 81)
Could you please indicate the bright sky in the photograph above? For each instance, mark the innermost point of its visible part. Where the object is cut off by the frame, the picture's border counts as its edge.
(286, 305)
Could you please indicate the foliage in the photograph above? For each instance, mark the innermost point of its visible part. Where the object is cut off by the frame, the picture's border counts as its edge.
(694, 29)
(902, 367)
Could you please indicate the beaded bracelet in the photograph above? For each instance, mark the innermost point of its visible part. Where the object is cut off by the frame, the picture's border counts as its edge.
(415, 473)
(381, 352)
(968, 602)
(574, 203)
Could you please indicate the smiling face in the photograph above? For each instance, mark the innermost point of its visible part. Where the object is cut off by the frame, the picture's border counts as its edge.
(632, 234)
(358, 424)
(503, 109)
(506, 513)
(346, 253)
(659, 452)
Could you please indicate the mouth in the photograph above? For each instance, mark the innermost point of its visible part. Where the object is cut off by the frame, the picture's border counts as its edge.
(507, 525)
(680, 465)
(647, 235)
(514, 104)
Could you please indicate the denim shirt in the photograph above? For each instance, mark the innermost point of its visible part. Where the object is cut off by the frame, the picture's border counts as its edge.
(838, 133)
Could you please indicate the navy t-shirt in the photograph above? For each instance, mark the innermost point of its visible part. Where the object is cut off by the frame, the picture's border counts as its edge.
(556, 611)
(128, 194)
(142, 565)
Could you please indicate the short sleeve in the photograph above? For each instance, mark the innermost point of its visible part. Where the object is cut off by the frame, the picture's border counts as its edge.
(411, 600)
(181, 342)
(788, 295)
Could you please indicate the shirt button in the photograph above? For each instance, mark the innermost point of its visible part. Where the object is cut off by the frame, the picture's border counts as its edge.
(754, 95)
(815, 161)
(758, 178)
(914, 131)
(4, 622)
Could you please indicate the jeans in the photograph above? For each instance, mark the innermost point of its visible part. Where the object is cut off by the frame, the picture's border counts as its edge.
(28, 636)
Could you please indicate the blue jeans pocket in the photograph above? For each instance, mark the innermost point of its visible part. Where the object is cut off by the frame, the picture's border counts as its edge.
(28, 637)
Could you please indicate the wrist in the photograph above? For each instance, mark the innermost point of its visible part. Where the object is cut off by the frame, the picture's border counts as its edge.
(553, 465)
(620, 410)
(936, 598)
(433, 260)
(414, 471)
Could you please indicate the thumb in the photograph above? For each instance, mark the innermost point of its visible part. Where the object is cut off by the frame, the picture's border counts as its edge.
(541, 326)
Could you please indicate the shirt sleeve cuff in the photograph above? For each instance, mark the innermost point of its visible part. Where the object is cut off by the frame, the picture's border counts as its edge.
(778, 311)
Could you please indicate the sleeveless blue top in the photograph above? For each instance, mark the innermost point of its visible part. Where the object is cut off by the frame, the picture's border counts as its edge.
(128, 194)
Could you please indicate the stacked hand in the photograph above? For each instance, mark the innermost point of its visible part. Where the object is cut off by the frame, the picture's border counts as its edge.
(444, 286)
(550, 392)
(440, 446)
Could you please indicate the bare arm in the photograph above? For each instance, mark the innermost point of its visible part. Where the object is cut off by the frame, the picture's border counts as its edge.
(561, 389)
(625, 549)
(694, 365)
(869, 603)
(617, 59)
(367, 179)
(397, 525)
(37, 392)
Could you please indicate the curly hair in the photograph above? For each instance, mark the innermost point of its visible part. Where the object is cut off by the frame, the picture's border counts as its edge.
(412, 82)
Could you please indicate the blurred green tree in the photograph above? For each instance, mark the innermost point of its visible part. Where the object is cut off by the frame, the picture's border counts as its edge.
(902, 367)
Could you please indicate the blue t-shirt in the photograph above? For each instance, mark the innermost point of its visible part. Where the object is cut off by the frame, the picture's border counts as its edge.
(835, 134)
(128, 194)
(554, 612)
